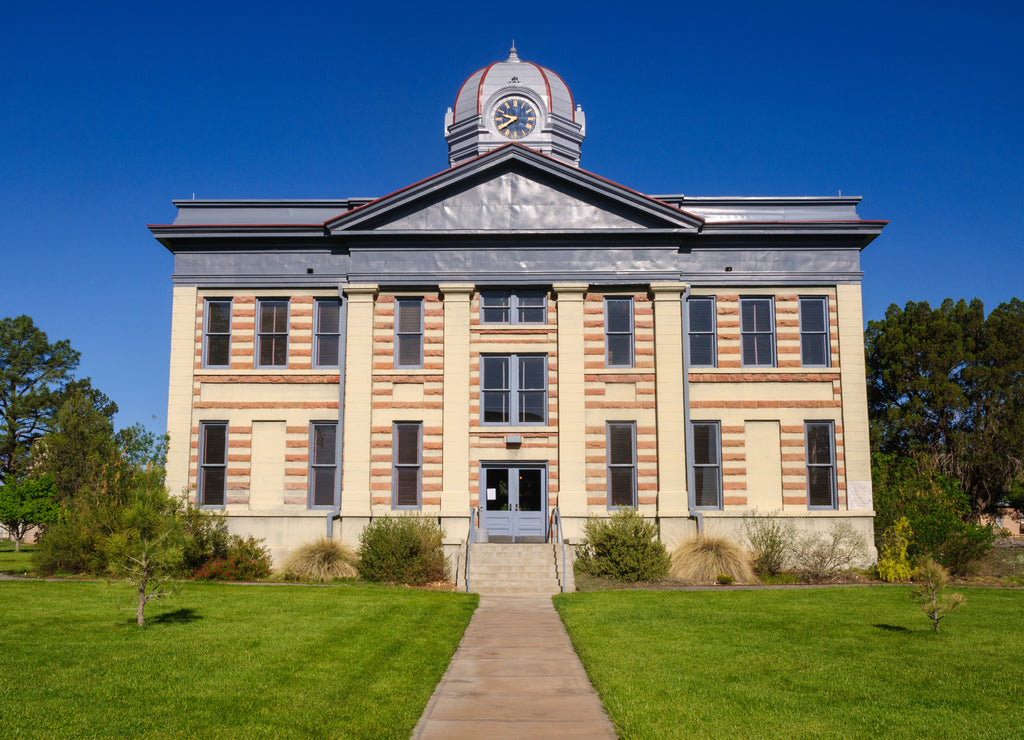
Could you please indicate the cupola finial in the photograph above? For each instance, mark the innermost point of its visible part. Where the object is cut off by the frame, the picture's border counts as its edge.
(512, 56)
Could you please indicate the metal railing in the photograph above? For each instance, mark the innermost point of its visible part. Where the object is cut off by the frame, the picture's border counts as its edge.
(555, 531)
(474, 522)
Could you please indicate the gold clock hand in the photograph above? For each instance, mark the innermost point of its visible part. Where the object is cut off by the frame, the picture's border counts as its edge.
(512, 120)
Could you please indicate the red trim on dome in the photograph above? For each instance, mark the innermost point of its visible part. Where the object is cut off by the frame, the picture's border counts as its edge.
(480, 87)
(572, 103)
(455, 108)
(547, 85)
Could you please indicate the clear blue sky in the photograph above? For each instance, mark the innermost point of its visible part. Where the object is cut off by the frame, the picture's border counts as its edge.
(109, 110)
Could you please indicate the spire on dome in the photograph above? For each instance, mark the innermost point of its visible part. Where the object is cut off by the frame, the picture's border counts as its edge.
(512, 56)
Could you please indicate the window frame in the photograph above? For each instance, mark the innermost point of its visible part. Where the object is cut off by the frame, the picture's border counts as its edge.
(318, 305)
(204, 466)
(715, 465)
(208, 334)
(824, 333)
(513, 389)
(753, 333)
(609, 333)
(513, 307)
(830, 466)
(713, 333)
(611, 465)
(397, 464)
(400, 333)
(316, 466)
(272, 336)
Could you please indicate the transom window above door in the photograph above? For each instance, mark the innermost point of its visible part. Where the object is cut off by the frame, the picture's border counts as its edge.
(513, 307)
(513, 389)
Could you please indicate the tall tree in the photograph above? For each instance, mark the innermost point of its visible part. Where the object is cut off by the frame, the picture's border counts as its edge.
(25, 504)
(33, 375)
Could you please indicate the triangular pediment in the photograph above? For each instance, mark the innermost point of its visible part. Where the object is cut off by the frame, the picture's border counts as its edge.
(514, 189)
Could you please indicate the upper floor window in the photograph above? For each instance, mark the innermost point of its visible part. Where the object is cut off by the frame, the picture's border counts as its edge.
(217, 333)
(757, 331)
(213, 466)
(621, 463)
(407, 464)
(327, 332)
(323, 463)
(707, 464)
(409, 332)
(513, 389)
(272, 333)
(702, 331)
(513, 307)
(618, 332)
(814, 344)
(821, 464)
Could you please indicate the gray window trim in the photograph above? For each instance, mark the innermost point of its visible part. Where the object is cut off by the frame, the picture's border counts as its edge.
(514, 390)
(630, 466)
(315, 466)
(318, 305)
(716, 465)
(692, 300)
(269, 335)
(830, 465)
(207, 333)
(205, 465)
(396, 465)
(749, 332)
(513, 306)
(826, 333)
(399, 334)
(608, 333)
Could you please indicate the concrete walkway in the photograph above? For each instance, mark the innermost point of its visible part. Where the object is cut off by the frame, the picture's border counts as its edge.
(514, 675)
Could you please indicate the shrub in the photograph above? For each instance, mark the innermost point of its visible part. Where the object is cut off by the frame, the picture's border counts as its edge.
(929, 594)
(622, 547)
(893, 565)
(821, 557)
(771, 540)
(205, 534)
(402, 549)
(246, 560)
(703, 558)
(323, 561)
(724, 579)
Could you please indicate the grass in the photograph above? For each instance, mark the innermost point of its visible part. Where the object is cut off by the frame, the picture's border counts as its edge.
(15, 563)
(837, 662)
(223, 661)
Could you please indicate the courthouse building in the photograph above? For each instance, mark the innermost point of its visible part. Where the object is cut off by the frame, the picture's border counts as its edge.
(515, 334)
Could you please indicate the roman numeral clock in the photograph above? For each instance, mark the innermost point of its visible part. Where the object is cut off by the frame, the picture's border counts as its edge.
(515, 117)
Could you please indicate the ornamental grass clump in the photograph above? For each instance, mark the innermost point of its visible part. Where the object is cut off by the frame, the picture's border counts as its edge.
(403, 549)
(322, 561)
(702, 559)
(622, 548)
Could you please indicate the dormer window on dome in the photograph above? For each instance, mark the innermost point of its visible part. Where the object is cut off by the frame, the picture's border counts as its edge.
(514, 100)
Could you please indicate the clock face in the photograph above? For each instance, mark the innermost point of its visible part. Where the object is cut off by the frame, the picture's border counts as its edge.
(515, 118)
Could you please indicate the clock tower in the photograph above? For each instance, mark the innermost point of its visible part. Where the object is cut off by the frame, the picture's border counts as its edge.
(518, 101)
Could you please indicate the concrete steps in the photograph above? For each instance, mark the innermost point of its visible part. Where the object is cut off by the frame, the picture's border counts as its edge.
(513, 569)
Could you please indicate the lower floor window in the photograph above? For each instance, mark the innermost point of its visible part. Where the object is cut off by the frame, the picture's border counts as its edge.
(407, 468)
(213, 453)
(707, 464)
(323, 464)
(621, 464)
(821, 464)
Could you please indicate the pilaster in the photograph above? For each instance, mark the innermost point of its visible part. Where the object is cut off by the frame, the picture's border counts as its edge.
(185, 307)
(572, 442)
(668, 363)
(852, 377)
(355, 480)
(455, 438)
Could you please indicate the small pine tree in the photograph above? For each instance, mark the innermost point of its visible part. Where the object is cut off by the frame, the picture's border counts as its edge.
(929, 594)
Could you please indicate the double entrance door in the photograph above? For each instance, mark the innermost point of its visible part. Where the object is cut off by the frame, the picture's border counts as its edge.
(513, 502)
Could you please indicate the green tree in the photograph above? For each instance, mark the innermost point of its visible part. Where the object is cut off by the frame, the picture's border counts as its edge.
(25, 504)
(33, 375)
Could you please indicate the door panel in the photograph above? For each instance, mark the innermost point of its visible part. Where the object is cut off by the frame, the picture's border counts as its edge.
(514, 502)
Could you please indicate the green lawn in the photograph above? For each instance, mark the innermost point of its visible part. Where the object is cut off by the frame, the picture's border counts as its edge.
(823, 663)
(222, 661)
(18, 563)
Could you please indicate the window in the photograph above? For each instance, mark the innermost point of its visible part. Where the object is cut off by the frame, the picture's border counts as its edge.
(757, 332)
(408, 332)
(821, 464)
(508, 307)
(618, 332)
(323, 463)
(217, 347)
(702, 331)
(407, 468)
(513, 389)
(621, 464)
(272, 333)
(327, 332)
(213, 452)
(814, 345)
(707, 465)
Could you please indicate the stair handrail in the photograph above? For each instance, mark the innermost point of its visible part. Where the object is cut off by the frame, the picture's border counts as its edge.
(555, 528)
(474, 517)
